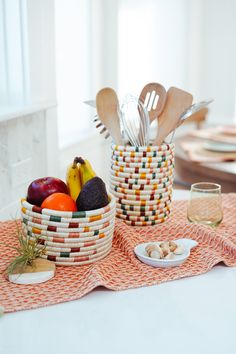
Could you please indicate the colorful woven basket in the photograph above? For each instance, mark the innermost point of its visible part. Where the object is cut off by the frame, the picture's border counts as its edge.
(70, 238)
(141, 179)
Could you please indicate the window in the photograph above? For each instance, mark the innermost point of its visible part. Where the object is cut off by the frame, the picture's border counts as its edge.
(152, 44)
(73, 68)
(14, 84)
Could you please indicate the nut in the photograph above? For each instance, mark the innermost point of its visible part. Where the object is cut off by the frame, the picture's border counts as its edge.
(154, 248)
(155, 254)
(149, 248)
(159, 250)
(172, 246)
(165, 251)
(164, 244)
(179, 250)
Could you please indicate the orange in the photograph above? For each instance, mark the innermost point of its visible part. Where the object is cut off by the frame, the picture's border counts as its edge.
(59, 201)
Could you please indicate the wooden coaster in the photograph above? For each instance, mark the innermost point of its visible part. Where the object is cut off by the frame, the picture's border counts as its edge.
(42, 271)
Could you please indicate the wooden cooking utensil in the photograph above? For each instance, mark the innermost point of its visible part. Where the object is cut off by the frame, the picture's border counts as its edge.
(107, 108)
(153, 97)
(176, 103)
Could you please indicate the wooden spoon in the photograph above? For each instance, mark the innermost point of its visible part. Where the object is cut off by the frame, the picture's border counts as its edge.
(153, 97)
(176, 103)
(107, 108)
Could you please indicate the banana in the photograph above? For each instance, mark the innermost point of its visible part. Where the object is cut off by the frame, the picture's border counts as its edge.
(86, 171)
(73, 179)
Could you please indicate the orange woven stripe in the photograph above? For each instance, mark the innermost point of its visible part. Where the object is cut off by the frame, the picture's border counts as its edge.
(36, 231)
(96, 217)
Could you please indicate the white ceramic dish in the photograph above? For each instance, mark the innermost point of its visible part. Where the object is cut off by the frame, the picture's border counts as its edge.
(187, 244)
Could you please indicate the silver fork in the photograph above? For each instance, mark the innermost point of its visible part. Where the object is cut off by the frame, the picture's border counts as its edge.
(97, 121)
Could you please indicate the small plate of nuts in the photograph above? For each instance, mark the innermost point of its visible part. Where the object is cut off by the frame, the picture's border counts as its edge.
(165, 254)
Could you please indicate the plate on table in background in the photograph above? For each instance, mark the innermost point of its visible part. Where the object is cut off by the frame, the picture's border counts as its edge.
(219, 147)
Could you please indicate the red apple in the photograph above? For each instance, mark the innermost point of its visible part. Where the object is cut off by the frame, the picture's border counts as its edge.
(41, 188)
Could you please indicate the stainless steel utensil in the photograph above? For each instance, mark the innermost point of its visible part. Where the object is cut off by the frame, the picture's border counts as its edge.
(189, 112)
(135, 121)
(193, 109)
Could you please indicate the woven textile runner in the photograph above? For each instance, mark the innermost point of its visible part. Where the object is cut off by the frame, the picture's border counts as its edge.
(121, 269)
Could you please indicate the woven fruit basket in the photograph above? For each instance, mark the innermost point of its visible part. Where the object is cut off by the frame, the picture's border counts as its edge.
(70, 238)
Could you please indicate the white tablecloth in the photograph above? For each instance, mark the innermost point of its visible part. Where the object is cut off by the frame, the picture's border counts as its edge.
(194, 315)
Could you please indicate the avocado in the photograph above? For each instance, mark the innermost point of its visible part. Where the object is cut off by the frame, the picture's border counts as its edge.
(93, 195)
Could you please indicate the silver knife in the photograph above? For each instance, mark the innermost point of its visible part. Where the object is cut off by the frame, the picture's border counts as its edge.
(91, 103)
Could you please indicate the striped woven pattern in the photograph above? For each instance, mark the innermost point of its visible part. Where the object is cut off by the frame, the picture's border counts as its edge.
(121, 269)
(86, 235)
(149, 169)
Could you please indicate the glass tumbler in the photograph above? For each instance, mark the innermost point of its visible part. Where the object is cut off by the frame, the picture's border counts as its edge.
(205, 205)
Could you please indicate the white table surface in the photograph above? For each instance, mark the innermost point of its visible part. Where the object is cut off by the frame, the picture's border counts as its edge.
(195, 315)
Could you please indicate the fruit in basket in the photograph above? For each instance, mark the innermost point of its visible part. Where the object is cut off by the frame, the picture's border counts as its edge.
(41, 188)
(59, 201)
(93, 195)
(86, 171)
(73, 179)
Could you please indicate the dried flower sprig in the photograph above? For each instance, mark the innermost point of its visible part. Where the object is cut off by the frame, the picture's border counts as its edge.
(27, 252)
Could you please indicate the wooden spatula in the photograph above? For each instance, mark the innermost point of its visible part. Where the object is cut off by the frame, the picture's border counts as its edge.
(176, 103)
(107, 108)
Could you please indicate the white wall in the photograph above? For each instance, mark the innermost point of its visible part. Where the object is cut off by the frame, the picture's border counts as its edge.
(217, 67)
(186, 43)
(152, 44)
(41, 51)
(73, 63)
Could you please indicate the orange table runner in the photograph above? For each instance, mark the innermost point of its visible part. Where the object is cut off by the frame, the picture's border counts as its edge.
(121, 269)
